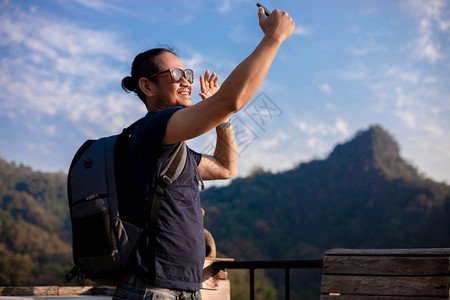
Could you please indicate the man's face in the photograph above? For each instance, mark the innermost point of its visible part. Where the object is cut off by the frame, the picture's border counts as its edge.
(166, 92)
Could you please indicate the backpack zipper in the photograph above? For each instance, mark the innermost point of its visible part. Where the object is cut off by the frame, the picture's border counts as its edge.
(91, 197)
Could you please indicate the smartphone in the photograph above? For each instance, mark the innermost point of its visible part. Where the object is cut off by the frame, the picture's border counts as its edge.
(266, 11)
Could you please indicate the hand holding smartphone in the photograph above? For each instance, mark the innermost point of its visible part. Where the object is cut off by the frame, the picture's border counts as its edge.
(281, 25)
(266, 11)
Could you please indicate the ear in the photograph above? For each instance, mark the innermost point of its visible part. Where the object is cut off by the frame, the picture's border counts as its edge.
(146, 87)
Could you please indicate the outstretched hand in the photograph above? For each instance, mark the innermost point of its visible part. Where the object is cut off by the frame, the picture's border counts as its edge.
(279, 25)
(209, 84)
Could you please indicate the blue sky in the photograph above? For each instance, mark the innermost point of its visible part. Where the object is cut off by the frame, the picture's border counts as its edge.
(349, 64)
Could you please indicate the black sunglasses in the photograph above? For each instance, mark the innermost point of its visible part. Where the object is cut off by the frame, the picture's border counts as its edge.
(177, 75)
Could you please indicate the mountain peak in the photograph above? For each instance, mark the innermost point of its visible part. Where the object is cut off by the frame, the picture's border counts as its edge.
(374, 148)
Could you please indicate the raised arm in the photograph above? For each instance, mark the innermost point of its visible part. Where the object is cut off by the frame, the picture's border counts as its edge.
(238, 89)
(223, 163)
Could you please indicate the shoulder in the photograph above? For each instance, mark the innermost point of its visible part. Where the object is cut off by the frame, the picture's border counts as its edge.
(156, 119)
(164, 114)
(152, 127)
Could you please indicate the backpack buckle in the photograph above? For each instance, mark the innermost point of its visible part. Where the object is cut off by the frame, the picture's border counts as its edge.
(77, 271)
(166, 179)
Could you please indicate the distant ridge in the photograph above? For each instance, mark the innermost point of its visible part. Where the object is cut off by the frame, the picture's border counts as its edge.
(363, 195)
(374, 148)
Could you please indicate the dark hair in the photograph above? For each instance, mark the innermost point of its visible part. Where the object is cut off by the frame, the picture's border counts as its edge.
(144, 65)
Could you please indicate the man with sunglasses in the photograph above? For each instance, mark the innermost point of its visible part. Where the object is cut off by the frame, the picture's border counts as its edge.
(168, 259)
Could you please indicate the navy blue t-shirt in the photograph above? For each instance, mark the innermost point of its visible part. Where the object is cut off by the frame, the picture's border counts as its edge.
(175, 258)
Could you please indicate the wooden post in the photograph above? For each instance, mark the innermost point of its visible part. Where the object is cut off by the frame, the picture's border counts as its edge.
(215, 285)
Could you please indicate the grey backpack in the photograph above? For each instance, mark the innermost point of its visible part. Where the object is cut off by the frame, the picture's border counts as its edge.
(98, 186)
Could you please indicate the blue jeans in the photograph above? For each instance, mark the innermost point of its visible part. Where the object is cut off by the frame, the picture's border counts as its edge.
(133, 289)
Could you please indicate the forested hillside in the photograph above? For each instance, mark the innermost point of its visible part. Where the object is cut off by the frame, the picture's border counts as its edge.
(364, 195)
(34, 226)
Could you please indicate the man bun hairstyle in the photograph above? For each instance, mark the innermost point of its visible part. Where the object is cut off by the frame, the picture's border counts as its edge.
(129, 84)
(144, 65)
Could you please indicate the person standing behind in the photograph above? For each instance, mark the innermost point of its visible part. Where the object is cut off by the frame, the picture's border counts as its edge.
(169, 257)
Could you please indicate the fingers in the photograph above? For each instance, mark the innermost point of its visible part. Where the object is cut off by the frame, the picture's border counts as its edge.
(279, 24)
(206, 74)
(209, 84)
(202, 84)
(261, 14)
(208, 81)
(213, 80)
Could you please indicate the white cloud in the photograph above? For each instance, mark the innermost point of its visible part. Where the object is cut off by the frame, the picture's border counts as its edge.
(306, 128)
(434, 19)
(408, 117)
(412, 76)
(301, 30)
(53, 38)
(431, 79)
(57, 68)
(366, 49)
(342, 127)
(356, 71)
(413, 95)
(329, 105)
(325, 88)
(38, 148)
(427, 49)
(95, 4)
(433, 161)
(312, 142)
(276, 140)
(323, 129)
(225, 7)
(435, 130)
(107, 6)
(319, 135)
(50, 130)
(276, 160)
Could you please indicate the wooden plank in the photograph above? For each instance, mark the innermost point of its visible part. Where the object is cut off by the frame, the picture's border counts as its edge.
(386, 286)
(382, 265)
(29, 291)
(76, 290)
(87, 297)
(55, 290)
(391, 252)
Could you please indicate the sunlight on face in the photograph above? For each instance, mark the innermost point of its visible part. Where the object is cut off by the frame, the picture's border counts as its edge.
(166, 92)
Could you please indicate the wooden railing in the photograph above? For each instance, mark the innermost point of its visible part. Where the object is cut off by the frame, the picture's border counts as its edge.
(346, 274)
(287, 265)
(417, 274)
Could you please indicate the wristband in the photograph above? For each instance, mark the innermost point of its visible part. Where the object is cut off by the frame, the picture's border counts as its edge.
(224, 125)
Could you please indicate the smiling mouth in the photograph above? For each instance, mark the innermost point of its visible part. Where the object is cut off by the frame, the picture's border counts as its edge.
(184, 92)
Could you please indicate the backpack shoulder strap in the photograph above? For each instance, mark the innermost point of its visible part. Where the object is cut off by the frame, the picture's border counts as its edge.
(169, 174)
(122, 173)
(175, 164)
